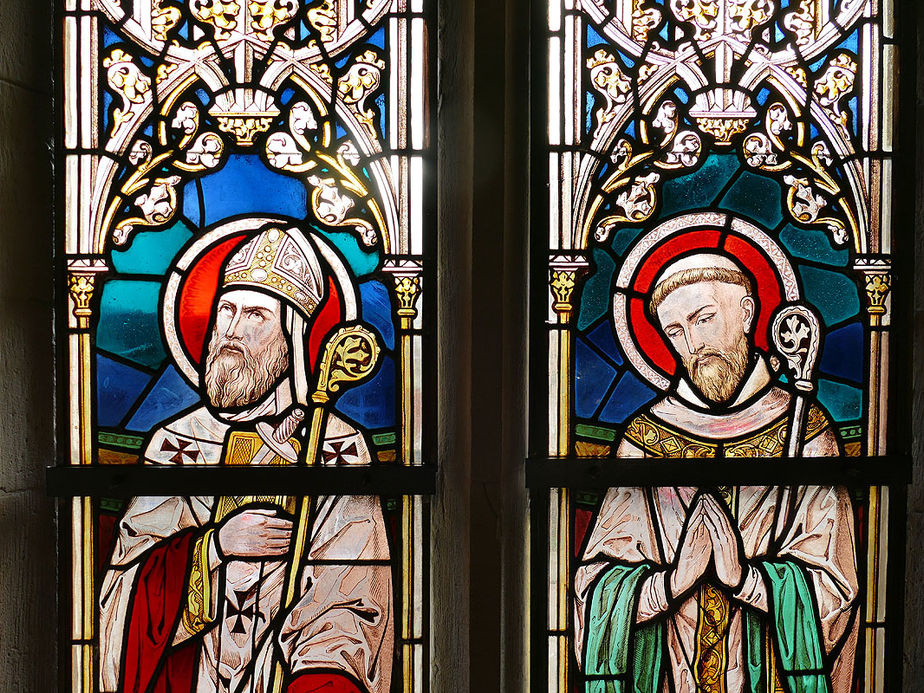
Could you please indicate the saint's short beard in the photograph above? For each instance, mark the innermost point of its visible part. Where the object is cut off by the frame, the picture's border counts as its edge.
(235, 377)
(718, 374)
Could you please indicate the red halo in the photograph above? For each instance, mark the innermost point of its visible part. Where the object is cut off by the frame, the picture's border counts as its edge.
(200, 286)
(197, 296)
(740, 248)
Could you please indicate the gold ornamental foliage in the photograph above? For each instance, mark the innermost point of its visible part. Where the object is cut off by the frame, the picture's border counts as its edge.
(878, 286)
(266, 15)
(128, 81)
(562, 284)
(221, 14)
(745, 15)
(324, 19)
(244, 128)
(407, 289)
(163, 19)
(723, 129)
(702, 14)
(361, 80)
(644, 19)
(81, 287)
(611, 83)
(836, 82)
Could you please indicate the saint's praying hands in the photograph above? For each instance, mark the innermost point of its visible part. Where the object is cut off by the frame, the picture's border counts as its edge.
(709, 537)
(694, 555)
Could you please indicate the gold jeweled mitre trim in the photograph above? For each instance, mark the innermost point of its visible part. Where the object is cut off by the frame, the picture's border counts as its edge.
(276, 261)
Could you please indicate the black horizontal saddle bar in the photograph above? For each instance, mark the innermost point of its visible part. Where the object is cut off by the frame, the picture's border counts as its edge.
(597, 473)
(113, 481)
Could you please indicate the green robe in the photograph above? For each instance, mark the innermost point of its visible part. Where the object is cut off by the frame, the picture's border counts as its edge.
(624, 657)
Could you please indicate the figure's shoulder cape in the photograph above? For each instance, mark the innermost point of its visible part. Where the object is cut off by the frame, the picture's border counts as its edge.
(194, 438)
(198, 437)
(658, 438)
(343, 444)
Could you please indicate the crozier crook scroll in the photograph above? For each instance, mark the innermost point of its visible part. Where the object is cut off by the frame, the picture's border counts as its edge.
(795, 332)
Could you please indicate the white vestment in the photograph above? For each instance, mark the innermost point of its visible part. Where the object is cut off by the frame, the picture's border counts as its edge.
(342, 619)
(810, 525)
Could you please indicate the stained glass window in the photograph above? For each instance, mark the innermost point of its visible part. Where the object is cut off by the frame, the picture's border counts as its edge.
(246, 232)
(717, 250)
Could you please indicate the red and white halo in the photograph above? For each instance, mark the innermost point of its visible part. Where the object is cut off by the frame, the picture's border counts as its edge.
(713, 232)
(195, 278)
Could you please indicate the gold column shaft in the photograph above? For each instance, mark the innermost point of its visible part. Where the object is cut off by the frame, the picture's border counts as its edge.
(407, 278)
(877, 283)
(81, 287)
(872, 589)
(564, 389)
(409, 541)
(563, 577)
(406, 348)
(562, 499)
(409, 560)
(563, 278)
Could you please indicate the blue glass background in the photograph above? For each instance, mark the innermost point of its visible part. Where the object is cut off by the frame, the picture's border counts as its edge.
(606, 390)
(138, 387)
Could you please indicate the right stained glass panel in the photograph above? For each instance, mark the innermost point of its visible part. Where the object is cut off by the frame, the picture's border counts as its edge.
(720, 264)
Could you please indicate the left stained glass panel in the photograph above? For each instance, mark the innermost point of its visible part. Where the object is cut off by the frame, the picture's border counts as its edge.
(246, 234)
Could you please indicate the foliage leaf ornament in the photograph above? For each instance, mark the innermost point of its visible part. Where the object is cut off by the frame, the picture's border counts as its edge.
(323, 18)
(289, 151)
(811, 192)
(157, 206)
(644, 20)
(361, 80)
(802, 22)
(205, 153)
(221, 14)
(267, 15)
(743, 16)
(703, 15)
(335, 185)
(163, 19)
(633, 185)
(283, 152)
(835, 83)
(152, 186)
(715, 73)
(611, 83)
(127, 80)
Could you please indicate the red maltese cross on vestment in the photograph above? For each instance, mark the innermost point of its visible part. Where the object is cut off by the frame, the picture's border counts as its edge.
(182, 450)
(340, 452)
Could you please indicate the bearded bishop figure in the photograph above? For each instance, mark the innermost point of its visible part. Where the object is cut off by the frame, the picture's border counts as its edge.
(725, 589)
(192, 600)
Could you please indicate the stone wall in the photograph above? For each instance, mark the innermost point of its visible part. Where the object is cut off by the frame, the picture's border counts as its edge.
(28, 654)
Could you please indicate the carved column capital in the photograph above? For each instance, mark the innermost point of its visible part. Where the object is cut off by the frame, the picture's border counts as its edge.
(81, 286)
(564, 273)
(877, 281)
(407, 275)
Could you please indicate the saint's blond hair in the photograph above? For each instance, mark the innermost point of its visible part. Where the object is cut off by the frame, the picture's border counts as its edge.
(694, 276)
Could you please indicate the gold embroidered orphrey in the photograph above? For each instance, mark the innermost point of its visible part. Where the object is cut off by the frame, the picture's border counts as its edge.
(659, 440)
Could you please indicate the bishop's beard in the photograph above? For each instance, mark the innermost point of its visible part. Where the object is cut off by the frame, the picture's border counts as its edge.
(235, 376)
(717, 374)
